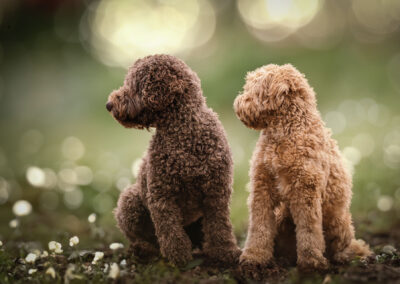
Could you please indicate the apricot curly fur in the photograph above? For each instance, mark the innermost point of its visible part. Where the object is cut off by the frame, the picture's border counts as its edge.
(182, 194)
(297, 174)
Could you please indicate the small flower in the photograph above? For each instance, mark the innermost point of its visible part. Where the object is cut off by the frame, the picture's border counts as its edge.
(97, 256)
(123, 263)
(92, 218)
(106, 266)
(44, 254)
(31, 258)
(115, 246)
(31, 271)
(73, 241)
(55, 247)
(1, 243)
(114, 271)
(50, 271)
(14, 223)
(70, 275)
(388, 249)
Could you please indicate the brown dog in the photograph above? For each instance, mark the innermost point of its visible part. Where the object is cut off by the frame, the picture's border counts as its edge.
(183, 190)
(296, 171)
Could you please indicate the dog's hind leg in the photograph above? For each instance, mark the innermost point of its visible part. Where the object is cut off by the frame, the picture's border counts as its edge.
(339, 231)
(135, 222)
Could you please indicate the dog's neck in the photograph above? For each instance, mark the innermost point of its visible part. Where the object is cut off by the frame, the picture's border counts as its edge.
(284, 125)
(183, 114)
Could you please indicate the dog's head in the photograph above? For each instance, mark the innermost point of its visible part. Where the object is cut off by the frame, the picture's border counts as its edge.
(272, 90)
(154, 85)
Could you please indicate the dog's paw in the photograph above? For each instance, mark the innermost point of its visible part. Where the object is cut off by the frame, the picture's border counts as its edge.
(259, 271)
(180, 253)
(144, 251)
(357, 248)
(180, 258)
(312, 264)
(223, 258)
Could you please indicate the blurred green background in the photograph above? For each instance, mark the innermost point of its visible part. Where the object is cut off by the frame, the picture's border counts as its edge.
(62, 153)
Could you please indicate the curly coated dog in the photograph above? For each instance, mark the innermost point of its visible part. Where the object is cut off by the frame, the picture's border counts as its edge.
(182, 194)
(297, 175)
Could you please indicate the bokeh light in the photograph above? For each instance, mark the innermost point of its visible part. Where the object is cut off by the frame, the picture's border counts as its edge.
(273, 20)
(385, 203)
(352, 154)
(364, 142)
(14, 223)
(378, 16)
(73, 198)
(22, 208)
(121, 31)
(84, 175)
(4, 191)
(122, 183)
(36, 176)
(336, 121)
(92, 218)
(391, 148)
(73, 148)
(325, 30)
(102, 180)
(103, 203)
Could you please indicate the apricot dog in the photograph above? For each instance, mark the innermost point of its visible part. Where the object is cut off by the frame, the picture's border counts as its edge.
(297, 174)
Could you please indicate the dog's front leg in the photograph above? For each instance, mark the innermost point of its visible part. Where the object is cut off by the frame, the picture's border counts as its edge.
(257, 258)
(219, 241)
(304, 197)
(174, 243)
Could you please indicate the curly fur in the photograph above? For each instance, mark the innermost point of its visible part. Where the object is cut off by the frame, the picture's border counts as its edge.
(182, 194)
(297, 175)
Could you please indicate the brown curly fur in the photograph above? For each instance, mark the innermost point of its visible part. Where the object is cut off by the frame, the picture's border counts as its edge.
(185, 181)
(297, 173)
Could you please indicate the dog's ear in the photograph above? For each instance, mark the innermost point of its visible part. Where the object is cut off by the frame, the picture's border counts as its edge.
(275, 95)
(281, 85)
(160, 93)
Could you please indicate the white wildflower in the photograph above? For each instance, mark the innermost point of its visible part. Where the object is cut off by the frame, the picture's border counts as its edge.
(55, 247)
(22, 208)
(388, 249)
(106, 266)
(69, 275)
(44, 254)
(97, 256)
(14, 223)
(50, 271)
(115, 246)
(1, 243)
(123, 263)
(114, 271)
(31, 271)
(92, 218)
(31, 258)
(73, 241)
(88, 268)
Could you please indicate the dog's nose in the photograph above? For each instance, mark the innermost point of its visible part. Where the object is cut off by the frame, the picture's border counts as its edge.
(109, 106)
